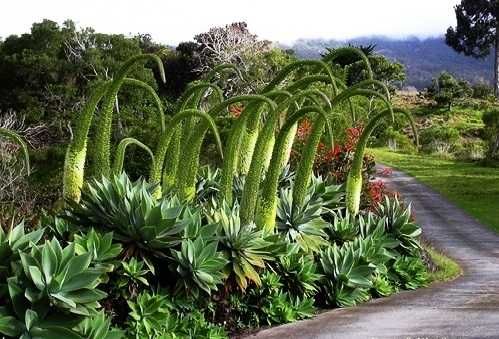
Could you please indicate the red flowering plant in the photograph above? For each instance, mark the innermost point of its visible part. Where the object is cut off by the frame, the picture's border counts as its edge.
(336, 162)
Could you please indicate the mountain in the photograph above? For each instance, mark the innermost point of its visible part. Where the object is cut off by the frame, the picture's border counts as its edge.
(423, 58)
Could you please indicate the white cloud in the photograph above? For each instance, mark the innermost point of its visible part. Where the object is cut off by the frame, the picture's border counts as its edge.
(172, 21)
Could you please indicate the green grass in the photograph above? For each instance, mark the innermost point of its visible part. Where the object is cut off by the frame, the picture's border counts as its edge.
(473, 188)
(447, 269)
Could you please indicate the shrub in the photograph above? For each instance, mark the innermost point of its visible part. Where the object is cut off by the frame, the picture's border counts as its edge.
(491, 121)
(398, 141)
(446, 89)
(471, 150)
(439, 139)
(482, 91)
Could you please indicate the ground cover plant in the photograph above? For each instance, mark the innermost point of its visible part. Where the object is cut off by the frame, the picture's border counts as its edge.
(202, 252)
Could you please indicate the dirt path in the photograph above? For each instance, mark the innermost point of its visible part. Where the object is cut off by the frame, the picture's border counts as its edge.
(465, 308)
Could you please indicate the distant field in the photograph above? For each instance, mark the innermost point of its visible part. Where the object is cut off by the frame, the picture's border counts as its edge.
(473, 188)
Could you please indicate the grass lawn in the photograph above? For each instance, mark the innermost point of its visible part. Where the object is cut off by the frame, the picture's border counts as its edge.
(447, 269)
(473, 188)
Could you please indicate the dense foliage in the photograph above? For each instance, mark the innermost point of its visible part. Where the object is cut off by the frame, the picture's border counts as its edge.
(191, 251)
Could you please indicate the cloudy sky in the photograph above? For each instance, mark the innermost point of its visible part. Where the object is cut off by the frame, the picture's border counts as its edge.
(171, 21)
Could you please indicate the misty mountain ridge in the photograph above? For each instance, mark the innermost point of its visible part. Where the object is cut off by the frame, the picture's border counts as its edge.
(423, 58)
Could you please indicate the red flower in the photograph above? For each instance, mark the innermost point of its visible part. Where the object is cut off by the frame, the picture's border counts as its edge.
(333, 153)
(353, 136)
(236, 110)
(304, 129)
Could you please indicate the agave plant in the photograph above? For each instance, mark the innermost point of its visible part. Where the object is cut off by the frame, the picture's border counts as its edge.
(31, 326)
(132, 276)
(199, 265)
(399, 223)
(282, 308)
(17, 139)
(410, 272)
(60, 277)
(99, 327)
(100, 247)
(303, 226)
(208, 184)
(347, 279)
(13, 242)
(344, 228)
(246, 248)
(298, 272)
(145, 226)
(150, 316)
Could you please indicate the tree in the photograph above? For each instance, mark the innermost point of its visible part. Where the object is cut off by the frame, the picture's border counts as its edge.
(477, 33)
(390, 72)
(235, 44)
(446, 89)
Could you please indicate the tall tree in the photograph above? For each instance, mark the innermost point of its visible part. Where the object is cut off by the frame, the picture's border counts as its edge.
(477, 33)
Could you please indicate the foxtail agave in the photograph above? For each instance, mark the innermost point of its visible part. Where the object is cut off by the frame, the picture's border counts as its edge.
(354, 178)
(17, 139)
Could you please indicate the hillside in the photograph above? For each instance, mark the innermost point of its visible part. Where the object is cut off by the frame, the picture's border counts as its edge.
(422, 58)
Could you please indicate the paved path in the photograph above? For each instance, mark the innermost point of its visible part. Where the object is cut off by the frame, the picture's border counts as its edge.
(467, 307)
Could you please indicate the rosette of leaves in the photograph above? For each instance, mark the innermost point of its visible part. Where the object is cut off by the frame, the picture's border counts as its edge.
(399, 223)
(410, 272)
(383, 286)
(378, 247)
(302, 225)
(269, 304)
(58, 227)
(58, 278)
(200, 266)
(245, 247)
(150, 316)
(132, 276)
(298, 272)
(101, 248)
(329, 195)
(343, 228)
(153, 316)
(29, 325)
(11, 243)
(99, 327)
(282, 308)
(144, 225)
(347, 279)
(208, 183)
